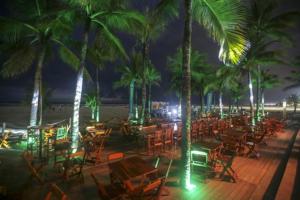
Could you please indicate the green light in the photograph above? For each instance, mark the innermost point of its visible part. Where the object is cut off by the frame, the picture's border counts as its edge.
(190, 186)
(199, 153)
(30, 140)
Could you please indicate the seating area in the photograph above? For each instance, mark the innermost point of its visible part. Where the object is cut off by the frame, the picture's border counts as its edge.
(218, 145)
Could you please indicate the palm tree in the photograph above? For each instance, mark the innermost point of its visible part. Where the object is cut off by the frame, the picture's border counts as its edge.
(152, 78)
(91, 103)
(101, 52)
(130, 76)
(102, 15)
(201, 72)
(225, 79)
(224, 21)
(28, 39)
(267, 81)
(266, 27)
(294, 99)
(294, 75)
(156, 20)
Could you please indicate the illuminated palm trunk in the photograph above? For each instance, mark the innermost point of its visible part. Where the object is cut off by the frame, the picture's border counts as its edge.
(149, 101)
(37, 89)
(262, 103)
(201, 102)
(131, 96)
(209, 100)
(258, 102)
(221, 105)
(144, 89)
(251, 98)
(144, 96)
(186, 98)
(98, 101)
(78, 92)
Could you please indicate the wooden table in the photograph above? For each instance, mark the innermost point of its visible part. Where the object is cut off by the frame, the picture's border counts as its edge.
(211, 147)
(239, 136)
(131, 168)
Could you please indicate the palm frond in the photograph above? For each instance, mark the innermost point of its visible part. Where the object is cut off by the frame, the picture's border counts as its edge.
(225, 22)
(19, 62)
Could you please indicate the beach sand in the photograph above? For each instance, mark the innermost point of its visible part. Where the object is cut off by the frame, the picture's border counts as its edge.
(17, 116)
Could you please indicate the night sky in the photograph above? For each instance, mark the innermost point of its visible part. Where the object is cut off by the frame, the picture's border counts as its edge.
(62, 79)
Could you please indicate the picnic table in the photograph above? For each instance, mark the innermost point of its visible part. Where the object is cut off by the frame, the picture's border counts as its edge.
(130, 169)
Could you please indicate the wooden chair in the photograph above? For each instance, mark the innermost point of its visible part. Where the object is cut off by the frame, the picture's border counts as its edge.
(194, 132)
(115, 156)
(125, 130)
(61, 150)
(55, 193)
(168, 138)
(253, 140)
(34, 170)
(155, 187)
(109, 192)
(178, 135)
(158, 140)
(226, 160)
(74, 164)
(3, 140)
(94, 148)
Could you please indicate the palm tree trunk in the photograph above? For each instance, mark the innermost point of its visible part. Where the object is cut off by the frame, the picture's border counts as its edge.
(37, 88)
(263, 102)
(149, 101)
(257, 113)
(201, 102)
(98, 100)
(221, 105)
(209, 99)
(131, 100)
(136, 104)
(144, 97)
(251, 98)
(214, 100)
(186, 98)
(144, 89)
(41, 101)
(78, 92)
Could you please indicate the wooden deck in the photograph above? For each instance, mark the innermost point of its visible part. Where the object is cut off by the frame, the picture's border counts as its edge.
(254, 176)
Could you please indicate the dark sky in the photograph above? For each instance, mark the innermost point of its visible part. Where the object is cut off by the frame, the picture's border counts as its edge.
(62, 79)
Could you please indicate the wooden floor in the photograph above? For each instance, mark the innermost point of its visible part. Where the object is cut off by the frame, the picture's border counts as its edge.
(254, 176)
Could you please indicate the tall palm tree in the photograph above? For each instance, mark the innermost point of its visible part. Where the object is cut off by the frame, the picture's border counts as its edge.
(101, 15)
(130, 76)
(98, 54)
(200, 73)
(28, 39)
(225, 79)
(156, 20)
(294, 75)
(267, 81)
(152, 78)
(266, 27)
(224, 20)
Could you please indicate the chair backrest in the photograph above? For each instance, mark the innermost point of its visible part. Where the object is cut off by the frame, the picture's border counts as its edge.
(158, 134)
(108, 131)
(103, 194)
(169, 134)
(115, 156)
(28, 159)
(56, 192)
(152, 185)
